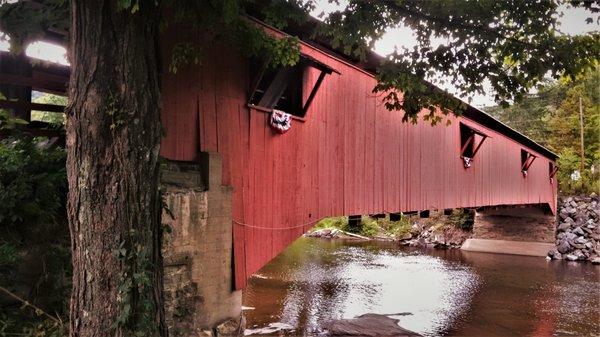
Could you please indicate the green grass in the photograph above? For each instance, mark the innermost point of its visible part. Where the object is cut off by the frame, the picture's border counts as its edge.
(340, 222)
(369, 227)
(395, 229)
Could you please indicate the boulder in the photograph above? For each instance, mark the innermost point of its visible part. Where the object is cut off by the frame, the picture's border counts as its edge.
(367, 325)
(564, 226)
(579, 254)
(415, 228)
(420, 242)
(554, 254)
(231, 327)
(571, 257)
(595, 260)
(578, 231)
(570, 236)
(577, 245)
(563, 214)
(406, 236)
(563, 247)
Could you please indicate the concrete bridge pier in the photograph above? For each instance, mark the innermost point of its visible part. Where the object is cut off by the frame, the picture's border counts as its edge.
(527, 230)
(198, 251)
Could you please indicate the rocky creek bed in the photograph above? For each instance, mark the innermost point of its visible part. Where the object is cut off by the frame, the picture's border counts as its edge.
(578, 229)
(438, 231)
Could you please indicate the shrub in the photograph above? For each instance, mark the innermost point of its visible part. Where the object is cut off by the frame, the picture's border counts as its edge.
(32, 182)
(34, 245)
(461, 219)
(569, 162)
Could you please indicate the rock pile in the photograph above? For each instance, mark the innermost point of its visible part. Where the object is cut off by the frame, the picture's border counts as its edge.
(578, 229)
(440, 236)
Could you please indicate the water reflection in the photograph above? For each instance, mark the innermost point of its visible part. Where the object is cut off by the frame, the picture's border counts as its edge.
(446, 292)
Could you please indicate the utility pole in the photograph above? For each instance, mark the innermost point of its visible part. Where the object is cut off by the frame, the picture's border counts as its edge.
(581, 166)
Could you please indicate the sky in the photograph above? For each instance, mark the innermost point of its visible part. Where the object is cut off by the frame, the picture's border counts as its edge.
(572, 23)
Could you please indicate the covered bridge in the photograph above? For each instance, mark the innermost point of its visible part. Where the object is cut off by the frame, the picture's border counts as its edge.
(345, 153)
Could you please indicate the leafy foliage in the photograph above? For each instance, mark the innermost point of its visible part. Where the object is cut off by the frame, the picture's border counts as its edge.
(462, 219)
(568, 163)
(34, 246)
(32, 182)
(512, 45)
(7, 121)
(564, 122)
(531, 115)
(27, 21)
(226, 20)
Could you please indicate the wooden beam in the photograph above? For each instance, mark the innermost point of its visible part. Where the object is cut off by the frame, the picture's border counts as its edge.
(37, 82)
(528, 162)
(467, 143)
(553, 173)
(479, 145)
(276, 87)
(313, 92)
(31, 106)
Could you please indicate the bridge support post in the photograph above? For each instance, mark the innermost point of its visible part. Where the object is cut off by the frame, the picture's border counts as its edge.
(198, 253)
(512, 230)
(354, 223)
(17, 65)
(395, 216)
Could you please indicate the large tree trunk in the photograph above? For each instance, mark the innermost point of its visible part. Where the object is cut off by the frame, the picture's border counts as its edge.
(113, 137)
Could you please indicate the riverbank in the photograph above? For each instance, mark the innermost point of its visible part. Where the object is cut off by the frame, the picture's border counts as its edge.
(439, 230)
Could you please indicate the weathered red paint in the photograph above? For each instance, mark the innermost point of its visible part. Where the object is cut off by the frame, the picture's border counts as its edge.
(349, 156)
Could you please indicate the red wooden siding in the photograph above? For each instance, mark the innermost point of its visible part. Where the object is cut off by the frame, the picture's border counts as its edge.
(350, 155)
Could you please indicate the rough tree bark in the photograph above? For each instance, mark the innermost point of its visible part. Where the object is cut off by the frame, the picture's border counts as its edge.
(113, 138)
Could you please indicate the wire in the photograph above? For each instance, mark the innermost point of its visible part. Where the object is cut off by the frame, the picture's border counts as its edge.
(275, 228)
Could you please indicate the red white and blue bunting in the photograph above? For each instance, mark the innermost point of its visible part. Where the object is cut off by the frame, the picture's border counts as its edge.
(280, 121)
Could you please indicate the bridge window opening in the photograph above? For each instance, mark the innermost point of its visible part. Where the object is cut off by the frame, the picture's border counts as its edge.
(470, 143)
(552, 170)
(282, 88)
(527, 159)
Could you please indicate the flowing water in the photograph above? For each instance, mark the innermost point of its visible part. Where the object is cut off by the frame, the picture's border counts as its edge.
(432, 292)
